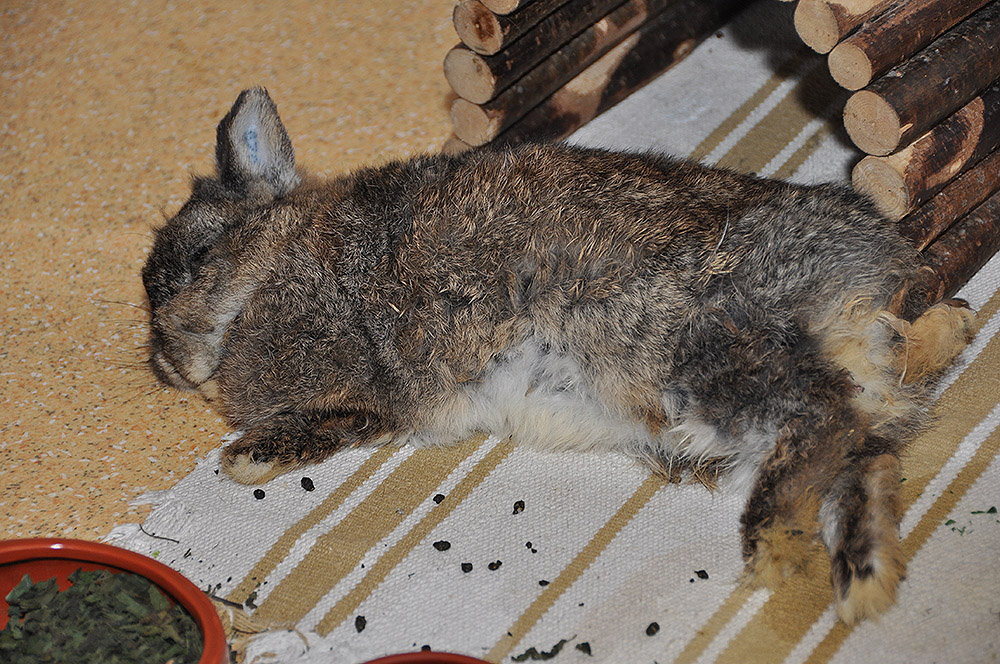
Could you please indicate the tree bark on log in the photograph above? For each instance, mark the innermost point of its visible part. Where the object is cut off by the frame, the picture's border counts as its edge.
(916, 95)
(479, 77)
(900, 182)
(963, 249)
(487, 33)
(926, 223)
(659, 43)
(478, 124)
(890, 39)
(823, 23)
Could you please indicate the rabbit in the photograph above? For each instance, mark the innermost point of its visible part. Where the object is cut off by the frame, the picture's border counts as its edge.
(570, 298)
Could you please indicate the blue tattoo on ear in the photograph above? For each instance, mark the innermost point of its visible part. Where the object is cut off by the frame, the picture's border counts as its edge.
(250, 138)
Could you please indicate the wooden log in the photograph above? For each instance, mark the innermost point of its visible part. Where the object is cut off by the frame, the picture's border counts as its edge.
(478, 124)
(479, 77)
(963, 249)
(454, 145)
(893, 37)
(476, 77)
(823, 23)
(926, 223)
(487, 33)
(916, 95)
(900, 182)
(504, 6)
(659, 43)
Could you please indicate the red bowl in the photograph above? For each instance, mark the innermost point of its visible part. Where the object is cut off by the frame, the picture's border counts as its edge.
(427, 657)
(45, 558)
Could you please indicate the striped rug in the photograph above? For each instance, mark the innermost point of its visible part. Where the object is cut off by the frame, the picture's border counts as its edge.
(506, 554)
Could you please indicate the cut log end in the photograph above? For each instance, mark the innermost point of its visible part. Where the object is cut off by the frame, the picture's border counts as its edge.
(850, 66)
(469, 76)
(872, 124)
(454, 146)
(816, 24)
(884, 185)
(477, 27)
(502, 6)
(472, 123)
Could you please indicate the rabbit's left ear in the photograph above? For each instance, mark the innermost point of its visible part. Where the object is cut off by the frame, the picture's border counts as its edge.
(253, 153)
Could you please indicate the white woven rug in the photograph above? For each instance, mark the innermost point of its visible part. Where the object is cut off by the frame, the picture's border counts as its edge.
(588, 551)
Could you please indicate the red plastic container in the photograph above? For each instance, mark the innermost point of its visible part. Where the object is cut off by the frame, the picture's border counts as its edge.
(427, 657)
(45, 558)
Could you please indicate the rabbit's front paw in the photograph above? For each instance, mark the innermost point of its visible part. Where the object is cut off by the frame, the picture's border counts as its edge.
(262, 454)
(289, 441)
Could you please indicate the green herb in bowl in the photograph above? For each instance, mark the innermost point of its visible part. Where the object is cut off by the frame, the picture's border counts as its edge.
(103, 617)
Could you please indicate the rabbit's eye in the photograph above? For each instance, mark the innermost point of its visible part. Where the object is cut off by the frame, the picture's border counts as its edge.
(197, 259)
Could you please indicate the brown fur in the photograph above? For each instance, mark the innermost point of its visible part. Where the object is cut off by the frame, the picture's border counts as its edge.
(691, 317)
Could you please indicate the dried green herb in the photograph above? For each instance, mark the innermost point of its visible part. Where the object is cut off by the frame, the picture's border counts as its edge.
(535, 654)
(102, 618)
(584, 647)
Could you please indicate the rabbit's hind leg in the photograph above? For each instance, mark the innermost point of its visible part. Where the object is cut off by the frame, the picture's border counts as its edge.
(860, 524)
(781, 519)
(785, 417)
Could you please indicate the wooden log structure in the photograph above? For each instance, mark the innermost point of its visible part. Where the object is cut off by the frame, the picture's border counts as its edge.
(938, 80)
(926, 223)
(900, 182)
(479, 77)
(927, 111)
(964, 248)
(486, 32)
(822, 23)
(890, 39)
(477, 124)
(659, 43)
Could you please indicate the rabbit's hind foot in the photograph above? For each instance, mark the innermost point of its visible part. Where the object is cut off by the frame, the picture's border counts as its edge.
(871, 592)
(935, 338)
(860, 521)
(787, 546)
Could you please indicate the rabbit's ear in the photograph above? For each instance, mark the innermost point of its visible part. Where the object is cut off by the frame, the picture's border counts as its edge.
(253, 153)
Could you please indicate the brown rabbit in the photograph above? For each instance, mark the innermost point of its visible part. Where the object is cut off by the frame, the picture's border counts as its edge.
(569, 298)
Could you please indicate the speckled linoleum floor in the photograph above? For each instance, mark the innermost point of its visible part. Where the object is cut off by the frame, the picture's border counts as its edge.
(106, 110)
